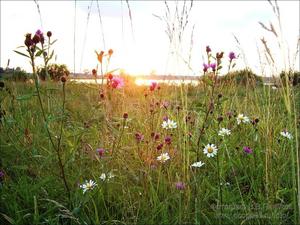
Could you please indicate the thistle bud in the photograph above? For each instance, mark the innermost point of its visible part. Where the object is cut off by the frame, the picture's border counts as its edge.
(63, 79)
(49, 34)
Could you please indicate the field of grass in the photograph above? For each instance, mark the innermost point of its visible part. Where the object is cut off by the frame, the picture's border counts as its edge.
(115, 138)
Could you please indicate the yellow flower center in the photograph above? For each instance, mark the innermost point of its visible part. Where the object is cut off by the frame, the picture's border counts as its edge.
(210, 150)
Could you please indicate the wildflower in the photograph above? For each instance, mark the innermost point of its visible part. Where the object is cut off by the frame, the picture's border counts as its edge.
(286, 134)
(100, 56)
(224, 132)
(94, 72)
(125, 115)
(107, 177)
(248, 150)
(1, 174)
(139, 137)
(210, 150)
(103, 176)
(155, 136)
(213, 66)
(165, 104)
(231, 56)
(28, 41)
(219, 55)
(208, 50)
(197, 164)
(110, 76)
(168, 140)
(220, 119)
(100, 152)
(160, 146)
(274, 87)
(205, 67)
(163, 157)
(180, 185)
(36, 39)
(117, 82)
(88, 185)
(49, 34)
(169, 124)
(242, 119)
(110, 52)
(153, 86)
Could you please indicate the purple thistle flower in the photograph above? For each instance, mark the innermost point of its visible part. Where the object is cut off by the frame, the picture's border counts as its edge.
(1, 174)
(205, 67)
(168, 140)
(100, 152)
(248, 150)
(160, 146)
(208, 50)
(231, 56)
(213, 66)
(180, 185)
(139, 137)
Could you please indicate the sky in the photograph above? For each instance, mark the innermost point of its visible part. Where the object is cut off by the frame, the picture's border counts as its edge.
(141, 44)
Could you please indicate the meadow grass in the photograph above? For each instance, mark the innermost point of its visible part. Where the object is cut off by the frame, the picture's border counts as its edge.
(233, 187)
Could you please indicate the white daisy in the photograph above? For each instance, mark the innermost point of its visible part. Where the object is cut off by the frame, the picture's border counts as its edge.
(107, 177)
(163, 157)
(286, 134)
(169, 124)
(197, 164)
(88, 185)
(103, 176)
(224, 132)
(210, 150)
(242, 119)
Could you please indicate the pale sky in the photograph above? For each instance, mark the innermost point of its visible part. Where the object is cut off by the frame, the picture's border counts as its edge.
(145, 47)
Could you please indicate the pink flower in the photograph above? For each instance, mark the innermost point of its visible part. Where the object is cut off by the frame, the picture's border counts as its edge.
(248, 150)
(153, 86)
(205, 67)
(180, 185)
(100, 152)
(213, 66)
(231, 56)
(117, 82)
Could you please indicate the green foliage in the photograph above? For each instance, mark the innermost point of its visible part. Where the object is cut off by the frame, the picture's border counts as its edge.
(55, 71)
(242, 77)
(143, 190)
(293, 77)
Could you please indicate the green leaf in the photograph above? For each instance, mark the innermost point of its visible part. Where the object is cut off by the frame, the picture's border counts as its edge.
(53, 42)
(39, 53)
(21, 53)
(25, 97)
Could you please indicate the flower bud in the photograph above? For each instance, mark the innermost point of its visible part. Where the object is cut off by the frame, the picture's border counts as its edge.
(49, 34)
(63, 79)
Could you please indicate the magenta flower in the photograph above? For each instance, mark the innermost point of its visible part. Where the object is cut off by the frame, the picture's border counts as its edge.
(248, 150)
(180, 185)
(160, 146)
(213, 66)
(139, 137)
(205, 67)
(40, 34)
(231, 56)
(117, 82)
(100, 152)
(168, 140)
(1, 174)
(153, 86)
(208, 50)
